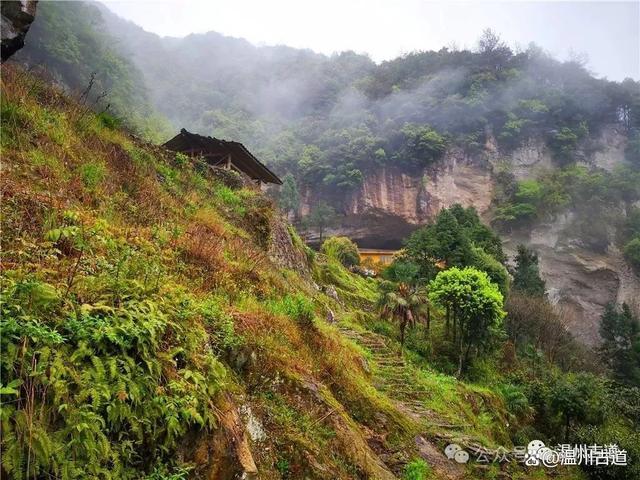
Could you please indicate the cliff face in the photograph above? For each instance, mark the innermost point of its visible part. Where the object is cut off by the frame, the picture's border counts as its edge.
(580, 281)
(17, 17)
(391, 203)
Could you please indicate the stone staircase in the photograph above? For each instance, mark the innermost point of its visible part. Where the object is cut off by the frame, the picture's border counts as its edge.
(397, 379)
(392, 375)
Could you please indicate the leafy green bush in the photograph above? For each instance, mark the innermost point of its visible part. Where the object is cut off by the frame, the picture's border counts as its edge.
(230, 199)
(341, 249)
(564, 141)
(96, 382)
(298, 307)
(632, 253)
(496, 271)
(417, 469)
(515, 399)
(421, 145)
(110, 121)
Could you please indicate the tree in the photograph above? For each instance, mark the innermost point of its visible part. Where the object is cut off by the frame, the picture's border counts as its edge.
(577, 398)
(342, 249)
(620, 349)
(497, 272)
(443, 241)
(289, 199)
(632, 252)
(489, 41)
(493, 50)
(321, 217)
(533, 324)
(402, 270)
(403, 304)
(457, 238)
(420, 145)
(481, 235)
(526, 276)
(476, 308)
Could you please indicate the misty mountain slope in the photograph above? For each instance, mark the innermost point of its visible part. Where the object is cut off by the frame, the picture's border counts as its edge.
(70, 41)
(402, 140)
(389, 145)
(159, 324)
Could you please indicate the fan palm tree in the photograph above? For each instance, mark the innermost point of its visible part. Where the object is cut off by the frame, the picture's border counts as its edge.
(403, 304)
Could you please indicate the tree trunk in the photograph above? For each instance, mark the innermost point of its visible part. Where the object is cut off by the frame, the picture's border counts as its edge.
(463, 359)
(428, 318)
(460, 360)
(455, 323)
(446, 324)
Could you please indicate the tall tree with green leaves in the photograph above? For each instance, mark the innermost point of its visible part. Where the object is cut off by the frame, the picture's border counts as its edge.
(526, 276)
(476, 308)
(289, 198)
(620, 349)
(403, 304)
(443, 241)
(457, 238)
(321, 217)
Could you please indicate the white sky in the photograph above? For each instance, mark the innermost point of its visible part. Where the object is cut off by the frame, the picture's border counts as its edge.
(608, 32)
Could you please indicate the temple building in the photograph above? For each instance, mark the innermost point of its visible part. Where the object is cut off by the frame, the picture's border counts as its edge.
(222, 154)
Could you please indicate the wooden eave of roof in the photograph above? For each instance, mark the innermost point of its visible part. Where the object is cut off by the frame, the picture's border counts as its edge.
(244, 160)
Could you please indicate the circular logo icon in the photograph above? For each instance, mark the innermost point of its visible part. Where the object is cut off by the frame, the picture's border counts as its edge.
(451, 449)
(461, 456)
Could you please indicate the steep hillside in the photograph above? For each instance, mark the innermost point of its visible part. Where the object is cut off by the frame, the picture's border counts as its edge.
(69, 40)
(157, 323)
(385, 147)
(388, 146)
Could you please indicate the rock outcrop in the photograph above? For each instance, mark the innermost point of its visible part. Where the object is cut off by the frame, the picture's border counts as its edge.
(17, 17)
(391, 203)
(579, 281)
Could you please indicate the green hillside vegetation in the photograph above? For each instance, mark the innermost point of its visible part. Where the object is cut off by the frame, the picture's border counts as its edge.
(457, 313)
(151, 312)
(69, 39)
(142, 305)
(327, 120)
(324, 122)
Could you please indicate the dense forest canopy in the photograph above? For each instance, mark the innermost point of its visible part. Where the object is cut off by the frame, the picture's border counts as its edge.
(327, 119)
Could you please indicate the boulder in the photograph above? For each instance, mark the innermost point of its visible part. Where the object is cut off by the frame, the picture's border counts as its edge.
(17, 17)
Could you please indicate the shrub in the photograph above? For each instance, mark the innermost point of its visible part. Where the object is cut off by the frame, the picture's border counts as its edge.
(632, 253)
(109, 121)
(111, 379)
(298, 307)
(181, 160)
(515, 400)
(496, 271)
(229, 178)
(417, 469)
(341, 249)
(230, 199)
(92, 174)
(564, 141)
